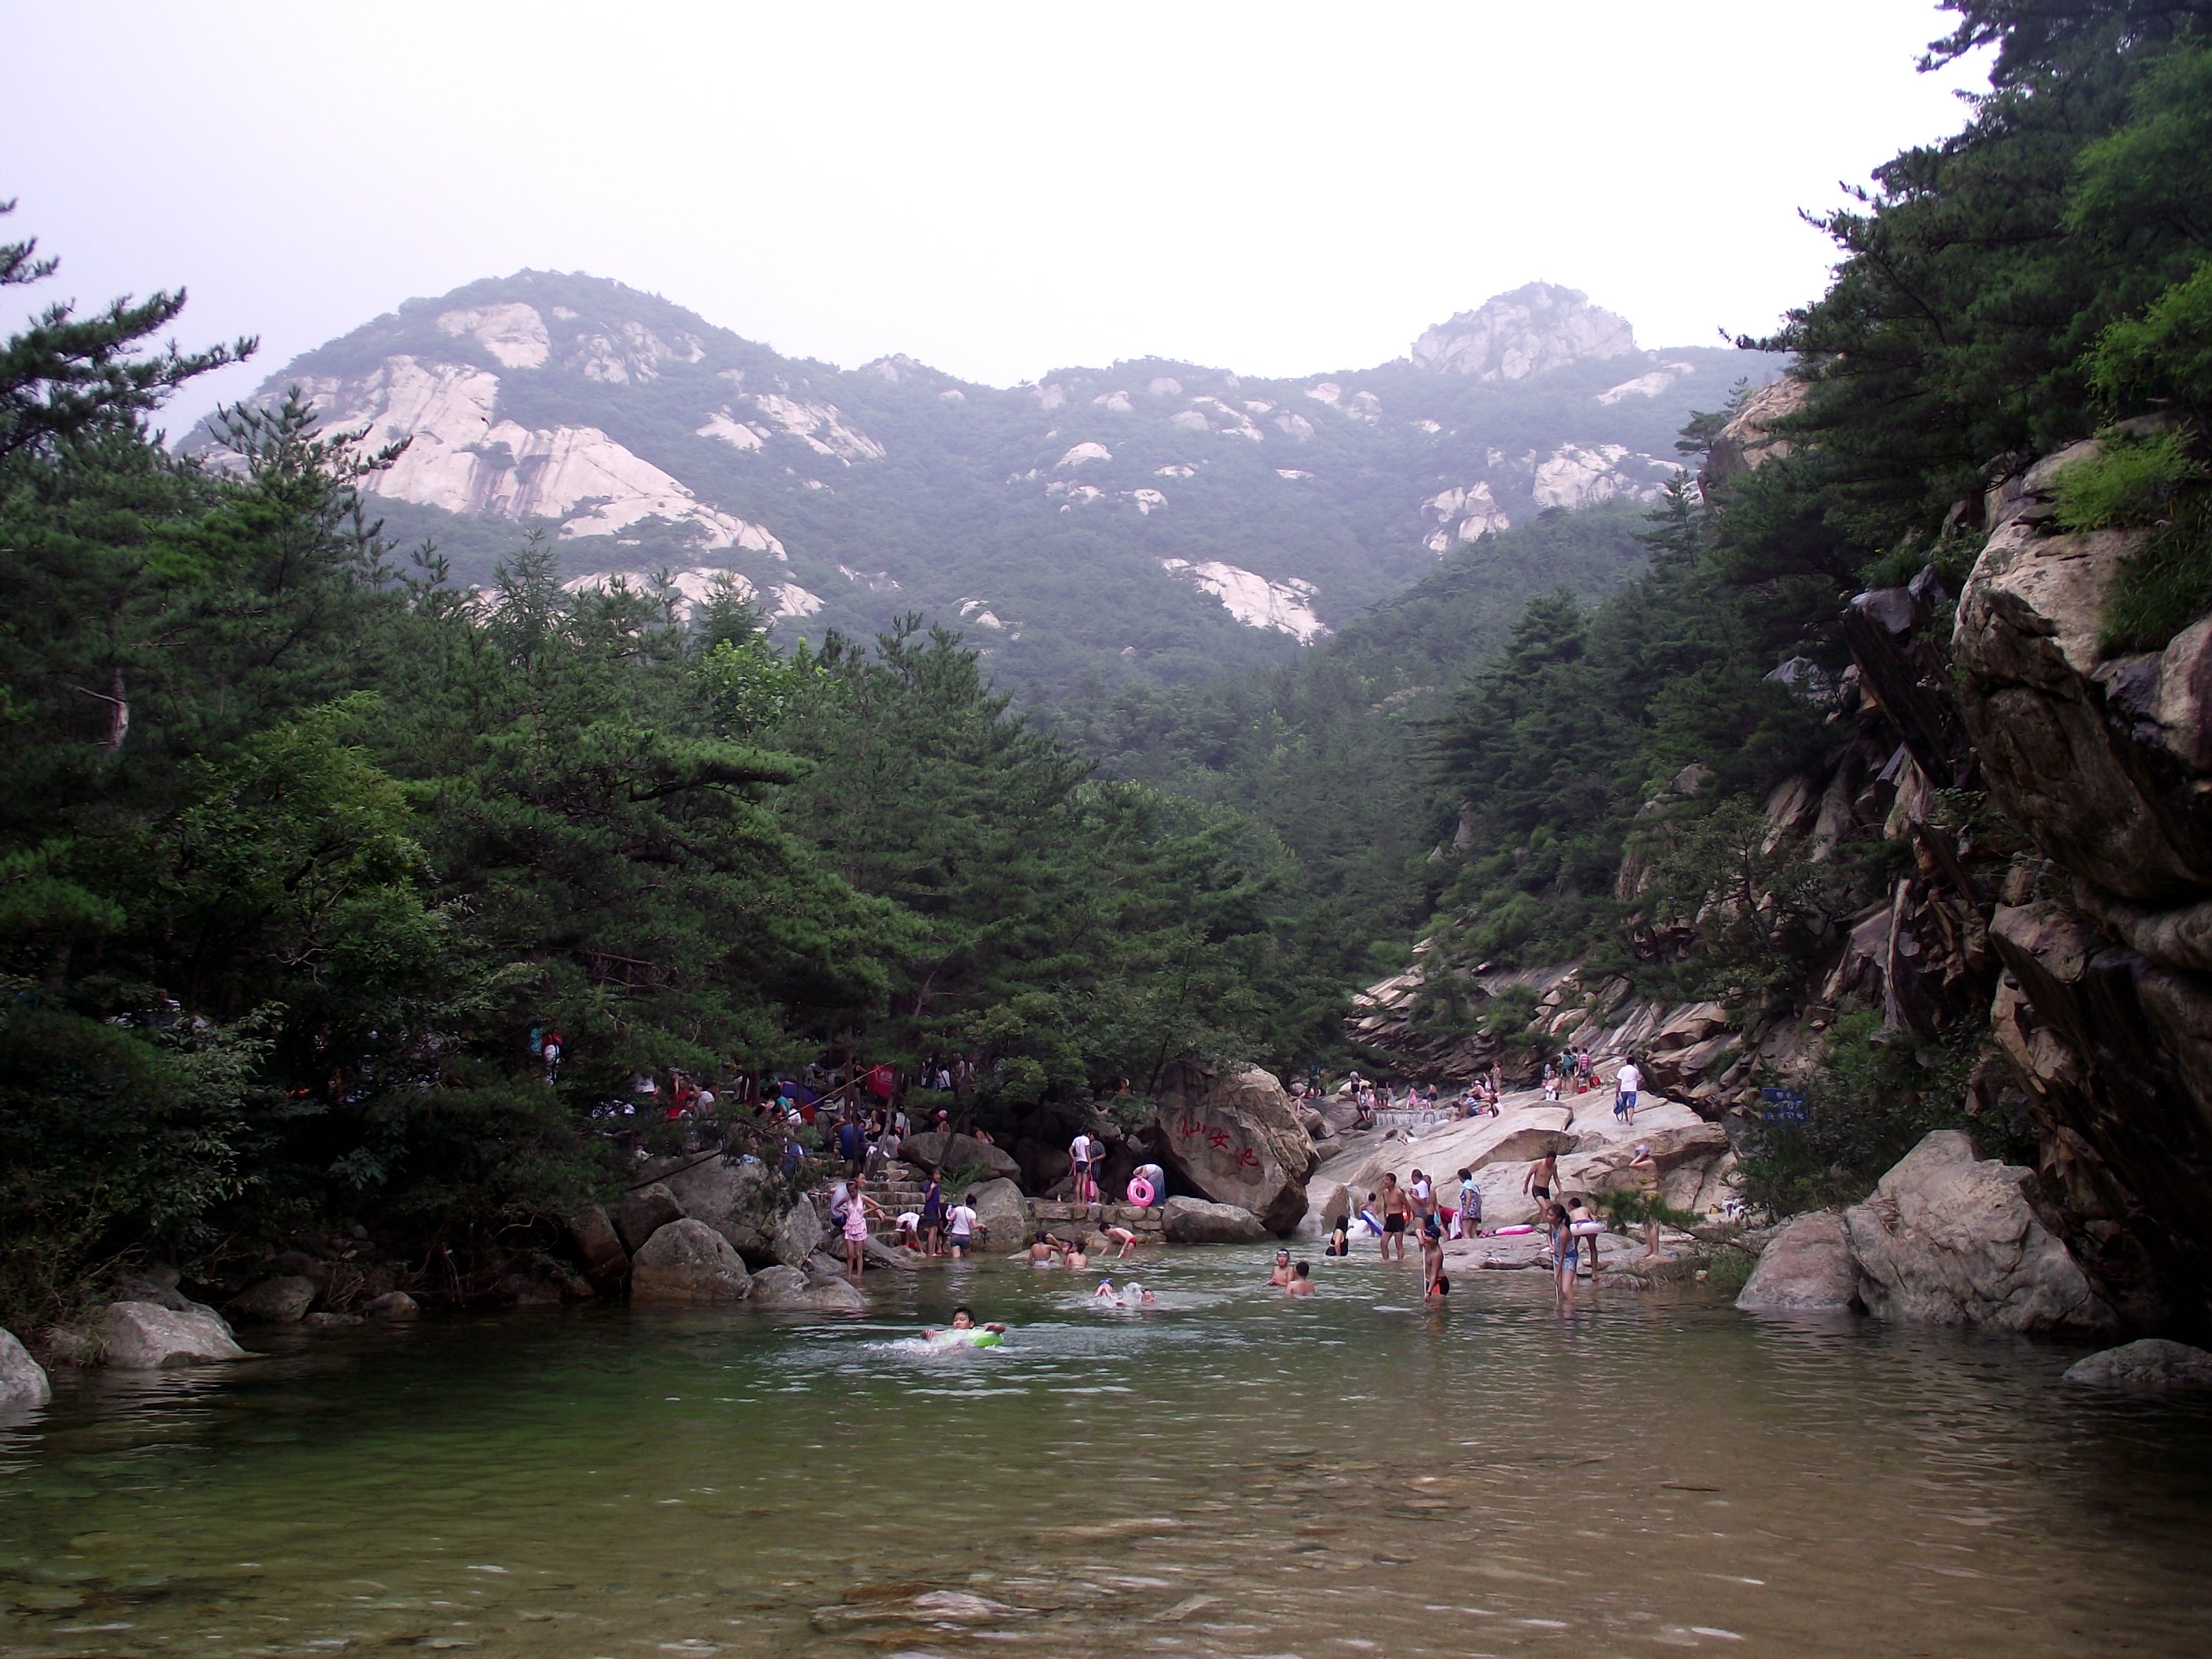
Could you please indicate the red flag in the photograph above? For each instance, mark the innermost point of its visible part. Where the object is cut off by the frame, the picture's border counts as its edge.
(880, 1082)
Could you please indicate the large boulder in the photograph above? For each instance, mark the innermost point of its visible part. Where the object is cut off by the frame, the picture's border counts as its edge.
(946, 1153)
(2152, 1366)
(1951, 1239)
(283, 1300)
(1003, 1212)
(601, 1248)
(22, 1379)
(643, 1211)
(736, 1198)
(1237, 1140)
(1195, 1221)
(1692, 1151)
(798, 1235)
(393, 1308)
(687, 1261)
(1806, 1267)
(143, 1336)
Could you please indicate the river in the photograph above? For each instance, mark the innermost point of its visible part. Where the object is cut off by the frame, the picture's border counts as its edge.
(1225, 1474)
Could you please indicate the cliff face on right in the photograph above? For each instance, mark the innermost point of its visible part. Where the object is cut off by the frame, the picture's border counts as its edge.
(2104, 1005)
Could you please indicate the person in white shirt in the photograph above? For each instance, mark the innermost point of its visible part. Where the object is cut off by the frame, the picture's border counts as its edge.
(1625, 1086)
(1079, 1155)
(960, 1227)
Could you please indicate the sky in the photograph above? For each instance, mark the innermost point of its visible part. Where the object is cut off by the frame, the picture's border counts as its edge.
(998, 190)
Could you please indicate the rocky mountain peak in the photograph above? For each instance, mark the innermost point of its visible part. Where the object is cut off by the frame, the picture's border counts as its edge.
(1534, 329)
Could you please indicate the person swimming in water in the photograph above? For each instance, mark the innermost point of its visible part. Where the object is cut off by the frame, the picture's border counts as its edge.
(1301, 1281)
(965, 1332)
(1280, 1279)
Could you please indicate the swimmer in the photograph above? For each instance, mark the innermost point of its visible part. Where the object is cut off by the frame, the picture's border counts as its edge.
(1122, 1237)
(1280, 1279)
(1077, 1261)
(1105, 1292)
(964, 1332)
(1134, 1295)
(1301, 1281)
(1042, 1253)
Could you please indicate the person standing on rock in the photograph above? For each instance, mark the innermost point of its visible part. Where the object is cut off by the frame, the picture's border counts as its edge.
(1469, 1219)
(858, 1206)
(1078, 1157)
(1625, 1084)
(1397, 1211)
(1423, 1193)
(1647, 1183)
(1540, 1179)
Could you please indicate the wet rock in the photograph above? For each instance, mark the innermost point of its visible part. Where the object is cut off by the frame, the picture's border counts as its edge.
(162, 1293)
(141, 1336)
(687, 1261)
(394, 1307)
(1806, 1267)
(1195, 1221)
(2153, 1364)
(789, 1291)
(283, 1300)
(644, 1212)
(798, 1235)
(600, 1246)
(1328, 1202)
(1951, 1239)
(1003, 1214)
(22, 1379)
(322, 1322)
(1237, 1139)
(934, 1152)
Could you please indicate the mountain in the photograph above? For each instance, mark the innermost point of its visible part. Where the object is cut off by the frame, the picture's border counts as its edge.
(1155, 520)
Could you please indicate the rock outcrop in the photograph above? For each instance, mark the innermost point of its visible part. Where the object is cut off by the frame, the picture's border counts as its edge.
(798, 1235)
(1806, 1267)
(1237, 1139)
(2152, 1366)
(1749, 436)
(142, 1336)
(788, 1290)
(606, 1261)
(735, 1198)
(687, 1261)
(22, 1379)
(1534, 329)
(1952, 1239)
(1195, 1221)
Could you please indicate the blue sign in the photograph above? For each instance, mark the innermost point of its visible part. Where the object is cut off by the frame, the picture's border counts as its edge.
(1784, 1106)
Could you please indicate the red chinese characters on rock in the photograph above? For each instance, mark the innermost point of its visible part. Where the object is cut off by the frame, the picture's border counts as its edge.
(1219, 1140)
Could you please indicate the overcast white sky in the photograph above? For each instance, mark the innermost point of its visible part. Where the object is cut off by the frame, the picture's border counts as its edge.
(999, 190)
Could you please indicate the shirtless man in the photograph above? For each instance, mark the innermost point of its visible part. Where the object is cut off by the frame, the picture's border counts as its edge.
(1281, 1278)
(1122, 1237)
(1432, 1257)
(1041, 1253)
(1397, 1215)
(1301, 1281)
(1541, 1178)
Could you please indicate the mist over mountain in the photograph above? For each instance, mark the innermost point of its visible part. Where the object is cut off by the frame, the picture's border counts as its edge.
(1153, 519)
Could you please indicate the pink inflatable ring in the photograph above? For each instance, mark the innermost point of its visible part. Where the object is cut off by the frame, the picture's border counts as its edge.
(1141, 1192)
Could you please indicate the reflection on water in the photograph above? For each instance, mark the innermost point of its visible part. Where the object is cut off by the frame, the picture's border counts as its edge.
(1226, 1472)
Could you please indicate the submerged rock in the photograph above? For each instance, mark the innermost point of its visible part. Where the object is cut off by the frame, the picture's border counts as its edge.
(394, 1307)
(688, 1260)
(141, 1336)
(1806, 1267)
(2152, 1363)
(1951, 1239)
(1195, 1221)
(22, 1379)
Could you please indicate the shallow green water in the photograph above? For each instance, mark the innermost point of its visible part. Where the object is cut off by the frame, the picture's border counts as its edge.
(1226, 1473)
